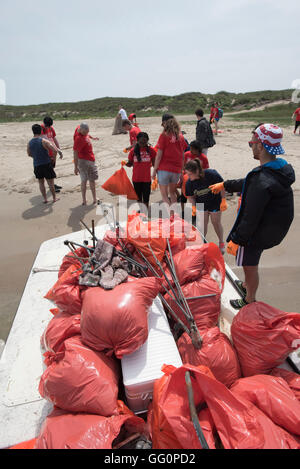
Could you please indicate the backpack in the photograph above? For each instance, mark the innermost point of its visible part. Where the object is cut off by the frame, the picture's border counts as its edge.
(220, 112)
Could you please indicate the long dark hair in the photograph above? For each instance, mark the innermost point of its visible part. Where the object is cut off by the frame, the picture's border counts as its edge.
(137, 150)
(194, 166)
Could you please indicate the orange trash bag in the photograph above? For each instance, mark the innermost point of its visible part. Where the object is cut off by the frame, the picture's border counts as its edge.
(216, 353)
(264, 336)
(30, 444)
(66, 293)
(172, 427)
(62, 430)
(119, 184)
(60, 328)
(273, 397)
(81, 380)
(291, 378)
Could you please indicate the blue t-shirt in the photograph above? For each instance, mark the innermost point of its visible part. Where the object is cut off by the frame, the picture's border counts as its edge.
(211, 201)
(38, 152)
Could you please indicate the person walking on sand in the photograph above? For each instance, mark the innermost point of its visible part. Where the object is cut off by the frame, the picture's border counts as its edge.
(212, 205)
(267, 207)
(215, 116)
(49, 133)
(204, 134)
(296, 116)
(38, 148)
(169, 159)
(84, 162)
(141, 158)
(133, 130)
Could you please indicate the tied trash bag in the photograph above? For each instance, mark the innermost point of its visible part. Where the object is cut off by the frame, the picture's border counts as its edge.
(140, 234)
(291, 378)
(195, 261)
(62, 327)
(264, 337)
(62, 430)
(119, 184)
(206, 311)
(216, 353)
(172, 427)
(273, 397)
(69, 259)
(116, 321)
(81, 380)
(66, 293)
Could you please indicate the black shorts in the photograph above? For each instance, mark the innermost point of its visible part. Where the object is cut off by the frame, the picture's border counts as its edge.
(297, 123)
(248, 256)
(44, 171)
(143, 191)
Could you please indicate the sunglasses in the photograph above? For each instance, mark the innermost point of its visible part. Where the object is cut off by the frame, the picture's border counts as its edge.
(251, 143)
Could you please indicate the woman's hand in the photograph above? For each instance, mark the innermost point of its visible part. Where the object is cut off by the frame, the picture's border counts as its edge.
(154, 174)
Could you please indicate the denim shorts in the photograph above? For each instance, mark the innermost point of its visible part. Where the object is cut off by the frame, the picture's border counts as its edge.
(166, 177)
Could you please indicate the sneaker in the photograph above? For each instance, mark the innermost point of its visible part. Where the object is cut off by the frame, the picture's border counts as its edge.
(240, 286)
(238, 304)
(57, 187)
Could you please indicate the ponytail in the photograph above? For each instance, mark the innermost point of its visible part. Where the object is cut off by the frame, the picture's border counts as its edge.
(195, 166)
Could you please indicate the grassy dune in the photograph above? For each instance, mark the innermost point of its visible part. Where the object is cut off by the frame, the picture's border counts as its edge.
(153, 105)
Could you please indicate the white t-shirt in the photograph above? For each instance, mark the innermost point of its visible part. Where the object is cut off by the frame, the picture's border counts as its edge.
(123, 114)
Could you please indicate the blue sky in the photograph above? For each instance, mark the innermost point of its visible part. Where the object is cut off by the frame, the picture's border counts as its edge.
(74, 50)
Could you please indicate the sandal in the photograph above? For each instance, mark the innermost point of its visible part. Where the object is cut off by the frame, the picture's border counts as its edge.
(238, 304)
(240, 286)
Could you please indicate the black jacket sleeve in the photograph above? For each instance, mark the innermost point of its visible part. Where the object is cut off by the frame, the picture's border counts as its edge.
(254, 203)
(201, 133)
(234, 185)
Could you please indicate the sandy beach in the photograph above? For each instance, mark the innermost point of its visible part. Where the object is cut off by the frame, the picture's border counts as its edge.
(26, 222)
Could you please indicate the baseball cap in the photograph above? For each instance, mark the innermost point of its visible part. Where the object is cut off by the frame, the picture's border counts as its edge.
(270, 136)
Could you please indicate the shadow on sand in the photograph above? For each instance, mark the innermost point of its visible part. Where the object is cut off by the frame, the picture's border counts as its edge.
(38, 209)
(77, 214)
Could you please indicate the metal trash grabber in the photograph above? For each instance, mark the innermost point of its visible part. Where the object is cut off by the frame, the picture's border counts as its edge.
(67, 243)
(194, 332)
(91, 233)
(193, 411)
(88, 249)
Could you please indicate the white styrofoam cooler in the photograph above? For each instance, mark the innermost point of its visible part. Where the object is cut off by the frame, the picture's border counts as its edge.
(141, 368)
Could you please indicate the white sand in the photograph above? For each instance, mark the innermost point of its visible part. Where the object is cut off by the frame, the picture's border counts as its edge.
(26, 222)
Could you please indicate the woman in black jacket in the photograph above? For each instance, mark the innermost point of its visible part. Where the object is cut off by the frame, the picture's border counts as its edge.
(267, 207)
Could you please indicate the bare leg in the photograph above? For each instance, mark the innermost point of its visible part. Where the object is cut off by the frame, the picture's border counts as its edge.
(52, 189)
(251, 282)
(216, 222)
(164, 194)
(206, 220)
(83, 192)
(43, 189)
(173, 193)
(93, 190)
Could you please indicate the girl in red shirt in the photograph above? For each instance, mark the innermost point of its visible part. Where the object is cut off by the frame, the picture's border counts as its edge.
(196, 152)
(142, 158)
(169, 159)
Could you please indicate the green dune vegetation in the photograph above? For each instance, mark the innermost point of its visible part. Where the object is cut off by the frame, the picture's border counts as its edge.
(155, 105)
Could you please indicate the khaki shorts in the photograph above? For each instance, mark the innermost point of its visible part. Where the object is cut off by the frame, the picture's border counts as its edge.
(88, 170)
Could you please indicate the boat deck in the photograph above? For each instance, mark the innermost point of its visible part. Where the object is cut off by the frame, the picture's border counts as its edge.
(22, 410)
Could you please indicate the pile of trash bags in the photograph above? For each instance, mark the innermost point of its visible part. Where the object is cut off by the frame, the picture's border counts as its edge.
(244, 400)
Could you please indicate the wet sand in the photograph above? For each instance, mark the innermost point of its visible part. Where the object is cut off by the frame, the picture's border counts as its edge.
(26, 222)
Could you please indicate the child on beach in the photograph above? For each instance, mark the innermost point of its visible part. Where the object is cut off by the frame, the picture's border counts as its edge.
(196, 152)
(133, 130)
(49, 133)
(199, 179)
(141, 158)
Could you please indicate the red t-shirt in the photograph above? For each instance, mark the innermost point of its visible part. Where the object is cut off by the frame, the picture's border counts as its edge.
(49, 134)
(142, 169)
(172, 148)
(214, 112)
(297, 114)
(188, 156)
(83, 146)
(133, 133)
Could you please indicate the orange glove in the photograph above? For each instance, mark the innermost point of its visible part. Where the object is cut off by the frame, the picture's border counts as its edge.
(154, 184)
(217, 188)
(124, 163)
(223, 205)
(194, 211)
(125, 150)
(232, 248)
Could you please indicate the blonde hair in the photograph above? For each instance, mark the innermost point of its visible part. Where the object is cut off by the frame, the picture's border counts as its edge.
(172, 127)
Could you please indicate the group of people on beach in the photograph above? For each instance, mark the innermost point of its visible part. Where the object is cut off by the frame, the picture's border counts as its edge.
(266, 208)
